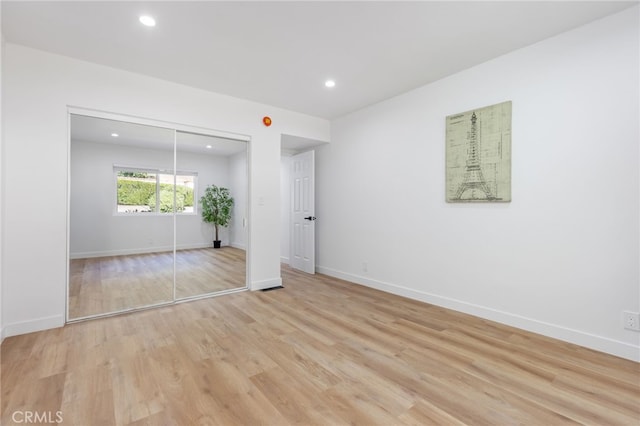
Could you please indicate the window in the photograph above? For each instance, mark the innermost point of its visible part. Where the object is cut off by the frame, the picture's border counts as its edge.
(185, 190)
(143, 190)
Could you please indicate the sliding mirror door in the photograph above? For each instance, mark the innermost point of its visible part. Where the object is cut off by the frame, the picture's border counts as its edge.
(121, 216)
(203, 162)
(137, 236)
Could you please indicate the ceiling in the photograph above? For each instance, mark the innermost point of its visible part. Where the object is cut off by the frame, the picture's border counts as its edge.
(280, 53)
(100, 130)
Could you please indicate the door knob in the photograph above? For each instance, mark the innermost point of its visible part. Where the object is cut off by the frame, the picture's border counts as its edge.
(310, 218)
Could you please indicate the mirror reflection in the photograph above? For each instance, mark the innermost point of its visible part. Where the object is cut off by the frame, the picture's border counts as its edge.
(137, 235)
(206, 264)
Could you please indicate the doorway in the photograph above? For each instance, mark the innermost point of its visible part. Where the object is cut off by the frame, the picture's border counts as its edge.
(298, 150)
(136, 234)
(303, 218)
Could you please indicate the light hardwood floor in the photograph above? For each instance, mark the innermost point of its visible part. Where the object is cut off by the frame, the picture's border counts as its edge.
(319, 351)
(109, 284)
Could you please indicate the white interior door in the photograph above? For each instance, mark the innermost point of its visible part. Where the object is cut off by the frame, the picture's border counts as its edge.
(303, 244)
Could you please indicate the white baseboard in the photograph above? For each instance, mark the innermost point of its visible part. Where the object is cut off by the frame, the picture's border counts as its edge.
(598, 343)
(284, 259)
(264, 284)
(238, 246)
(125, 252)
(30, 326)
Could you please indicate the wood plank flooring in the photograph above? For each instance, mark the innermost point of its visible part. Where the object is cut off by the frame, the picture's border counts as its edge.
(320, 351)
(110, 284)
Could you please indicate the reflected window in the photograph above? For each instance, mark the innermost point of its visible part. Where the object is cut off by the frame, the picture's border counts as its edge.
(185, 188)
(144, 191)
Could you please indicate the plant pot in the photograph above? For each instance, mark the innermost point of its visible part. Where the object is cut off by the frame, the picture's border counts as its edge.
(216, 243)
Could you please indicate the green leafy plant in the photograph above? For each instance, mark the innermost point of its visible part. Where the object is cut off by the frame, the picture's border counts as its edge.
(166, 201)
(131, 192)
(135, 192)
(216, 204)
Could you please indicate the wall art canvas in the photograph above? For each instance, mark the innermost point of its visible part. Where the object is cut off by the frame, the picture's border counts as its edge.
(478, 155)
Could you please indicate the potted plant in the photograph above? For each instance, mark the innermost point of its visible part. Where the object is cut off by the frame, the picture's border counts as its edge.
(216, 204)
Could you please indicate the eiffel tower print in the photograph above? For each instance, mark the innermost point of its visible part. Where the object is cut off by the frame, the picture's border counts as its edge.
(474, 184)
(478, 155)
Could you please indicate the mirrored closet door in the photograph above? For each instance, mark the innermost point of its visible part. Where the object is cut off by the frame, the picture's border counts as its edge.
(137, 237)
(221, 164)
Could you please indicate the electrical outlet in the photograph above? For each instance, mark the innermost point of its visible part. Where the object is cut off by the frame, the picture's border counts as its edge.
(365, 267)
(631, 320)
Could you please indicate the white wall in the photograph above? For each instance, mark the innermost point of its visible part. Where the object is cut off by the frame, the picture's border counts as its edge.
(285, 202)
(562, 258)
(1, 178)
(94, 228)
(238, 188)
(38, 88)
(191, 231)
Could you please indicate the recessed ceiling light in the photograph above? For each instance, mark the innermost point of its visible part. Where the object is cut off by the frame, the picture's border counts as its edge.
(115, 135)
(209, 147)
(330, 83)
(148, 21)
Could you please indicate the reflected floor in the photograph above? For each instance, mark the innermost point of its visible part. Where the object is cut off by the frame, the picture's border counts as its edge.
(110, 284)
